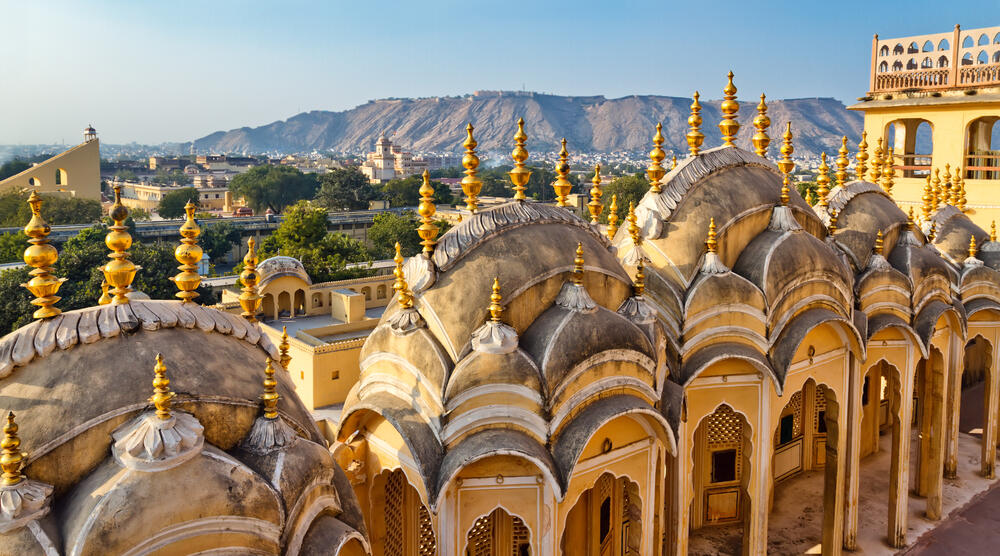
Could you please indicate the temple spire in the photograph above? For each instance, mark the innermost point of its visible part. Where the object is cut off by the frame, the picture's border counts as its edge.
(250, 299)
(655, 171)
(270, 396)
(760, 139)
(162, 396)
(283, 348)
(189, 254)
(710, 243)
(561, 185)
(842, 163)
(823, 181)
(119, 271)
(495, 308)
(577, 277)
(471, 184)
(694, 136)
(862, 156)
(729, 125)
(405, 298)
(41, 256)
(11, 457)
(594, 206)
(427, 230)
(519, 175)
(613, 217)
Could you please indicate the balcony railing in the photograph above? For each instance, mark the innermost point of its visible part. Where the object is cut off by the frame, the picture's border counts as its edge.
(912, 165)
(961, 59)
(979, 75)
(983, 165)
(932, 78)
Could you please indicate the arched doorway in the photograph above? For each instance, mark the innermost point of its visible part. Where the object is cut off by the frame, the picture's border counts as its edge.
(606, 520)
(976, 381)
(912, 141)
(267, 306)
(401, 525)
(928, 465)
(300, 302)
(982, 161)
(284, 305)
(498, 534)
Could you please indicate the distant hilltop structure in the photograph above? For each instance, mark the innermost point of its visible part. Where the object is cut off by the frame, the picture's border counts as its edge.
(940, 90)
(75, 172)
(390, 162)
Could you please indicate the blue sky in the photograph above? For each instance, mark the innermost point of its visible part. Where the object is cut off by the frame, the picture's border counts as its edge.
(173, 71)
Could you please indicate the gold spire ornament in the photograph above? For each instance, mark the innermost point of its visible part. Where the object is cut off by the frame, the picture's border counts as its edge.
(105, 297)
(594, 206)
(188, 253)
(633, 225)
(993, 230)
(972, 246)
(785, 164)
(933, 232)
(613, 217)
(936, 187)
(910, 222)
(404, 297)
(41, 256)
(471, 184)
(656, 171)
(639, 285)
(951, 192)
(760, 139)
(11, 457)
(270, 396)
(832, 228)
(842, 163)
(283, 348)
(673, 161)
(879, 243)
(519, 175)
(694, 136)
(162, 396)
(823, 181)
(961, 193)
(495, 308)
(862, 156)
(119, 272)
(710, 243)
(562, 186)
(250, 299)
(729, 126)
(577, 277)
(889, 173)
(427, 230)
(876, 170)
(927, 207)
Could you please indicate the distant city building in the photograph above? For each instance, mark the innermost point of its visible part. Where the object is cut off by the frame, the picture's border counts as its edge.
(211, 198)
(390, 162)
(75, 172)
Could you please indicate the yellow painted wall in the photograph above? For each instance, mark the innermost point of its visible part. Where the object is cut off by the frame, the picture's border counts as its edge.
(79, 169)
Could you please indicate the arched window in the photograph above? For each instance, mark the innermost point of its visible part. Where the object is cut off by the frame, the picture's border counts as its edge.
(34, 182)
(898, 49)
(996, 39)
(967, 59)
(928, 46)
(913, 48)
(897, 66)
(883, 67)
(943, 45)
(380, 292)
(996, 57)
(983, 58)
(911, 64)
(368, 293)
(927, 63)
(884, 51)
(943, 62)
(317, 300)
(984, 40)
(968, 43)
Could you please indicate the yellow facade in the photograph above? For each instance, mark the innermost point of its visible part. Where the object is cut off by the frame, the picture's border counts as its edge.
(75, 172)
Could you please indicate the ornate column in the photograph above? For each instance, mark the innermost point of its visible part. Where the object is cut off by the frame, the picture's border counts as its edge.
(852, 457)
(834, 476)
(901, 413)
(989, 456)
(956, 364)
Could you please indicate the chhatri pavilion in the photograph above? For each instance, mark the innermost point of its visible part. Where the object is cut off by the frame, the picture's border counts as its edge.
(541, 383)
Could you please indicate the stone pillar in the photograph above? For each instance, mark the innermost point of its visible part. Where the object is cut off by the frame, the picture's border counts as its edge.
(808, 427)
(852, 457)
(871, 83)
(956, 366)
(901, 414)
(683, 494)
(834, 476)
(755, 539)
(956, 58)
(990, 410)
(932, 465)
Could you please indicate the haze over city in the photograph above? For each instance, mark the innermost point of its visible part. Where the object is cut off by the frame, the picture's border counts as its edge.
(150, 73)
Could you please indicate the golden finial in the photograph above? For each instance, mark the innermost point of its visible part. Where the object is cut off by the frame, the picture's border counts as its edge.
(972, 246)
(471, 184)
(105, 298)
(961, 192)
(928, 201)
(270, 395)
(936, 187)
(188, 253)
(405, 297)
(876, 170)
(673, 161)
(951, 192)
(889, 172)
(41, 256)
(933, 232)
(162, 396)
(832, 228)
(786, 190)
(729, 126)
(633, 224)
(694, 136)
(11, 458)
(823, 180)
(613, 217)
(760, 139)
(427, 230)
(283, 348)
(910, 223)
(842, 163)
(656, 171)
(879, 243)
(562, 186)
(862, 156)
(594, 206)
(250, 299)
(520, 175)
(578, 265)
(639, 285)
(711, 244)
(810, 198)
(120, 271)
(993, 230)
(785, 164)
(495, 308)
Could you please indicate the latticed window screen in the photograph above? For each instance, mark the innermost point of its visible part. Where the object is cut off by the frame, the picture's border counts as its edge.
(820, 405)
(725, 431)
(395, 490)
(428, 544)
(520, 536)
(402, 536)
(482, 539)
(796, 405)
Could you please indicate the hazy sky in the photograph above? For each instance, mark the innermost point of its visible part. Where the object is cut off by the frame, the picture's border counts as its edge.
(173, 71)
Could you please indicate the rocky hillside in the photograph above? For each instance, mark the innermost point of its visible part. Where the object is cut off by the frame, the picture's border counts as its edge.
(590, 124)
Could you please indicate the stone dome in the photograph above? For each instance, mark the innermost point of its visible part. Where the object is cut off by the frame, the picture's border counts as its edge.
(278, 266)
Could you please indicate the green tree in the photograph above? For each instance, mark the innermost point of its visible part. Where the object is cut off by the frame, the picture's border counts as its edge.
(12, 246)
(12, 167)
(807, 188)
(138, 213)
(126, 175)
(406, 192)
(218, 239)
(56, 209)
(172, 204)
(389, 228)
(629, 189)
(345, 189)
(273, 186)
(172, 177)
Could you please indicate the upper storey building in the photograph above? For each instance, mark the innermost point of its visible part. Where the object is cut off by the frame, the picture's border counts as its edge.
(934, 100)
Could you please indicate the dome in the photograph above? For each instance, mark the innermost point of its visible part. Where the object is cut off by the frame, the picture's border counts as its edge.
(863, 209)
(80, 386)
(278, 266)
(953, 230)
